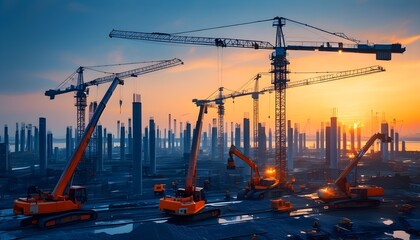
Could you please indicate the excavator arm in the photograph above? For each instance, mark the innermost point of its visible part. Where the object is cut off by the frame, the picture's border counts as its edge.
(341, 181)
(234, 151)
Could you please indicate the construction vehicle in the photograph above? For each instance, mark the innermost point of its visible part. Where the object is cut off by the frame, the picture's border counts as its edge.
(188, 204)
(159, 189)
(281, 205)
(51, 209)
(279, 63)
(341, 195)
(258, 187)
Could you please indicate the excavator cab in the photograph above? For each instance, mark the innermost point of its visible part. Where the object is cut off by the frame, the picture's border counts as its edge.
(199, 194)
(78, 194)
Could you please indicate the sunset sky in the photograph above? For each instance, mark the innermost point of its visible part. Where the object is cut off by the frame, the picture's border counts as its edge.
(45, 41)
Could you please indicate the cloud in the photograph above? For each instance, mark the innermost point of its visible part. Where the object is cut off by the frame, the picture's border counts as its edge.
(22, 83)
(407, 40)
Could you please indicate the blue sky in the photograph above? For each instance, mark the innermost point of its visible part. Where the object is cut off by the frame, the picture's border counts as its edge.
(44, 41)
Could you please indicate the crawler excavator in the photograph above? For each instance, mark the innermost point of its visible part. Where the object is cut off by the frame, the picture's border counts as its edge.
(51, 209)
(188, 204)
(258, 187)
(341, 195)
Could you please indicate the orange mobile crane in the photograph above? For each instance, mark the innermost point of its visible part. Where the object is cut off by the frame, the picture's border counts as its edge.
(341, 195)
(189, 202)
(47, 209)
(258, 187)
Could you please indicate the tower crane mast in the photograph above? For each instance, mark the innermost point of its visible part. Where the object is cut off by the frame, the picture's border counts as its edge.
(279, 64)
(81, 89)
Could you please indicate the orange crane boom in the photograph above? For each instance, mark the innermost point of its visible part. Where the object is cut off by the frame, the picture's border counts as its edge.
(190, 201)
(51, 209)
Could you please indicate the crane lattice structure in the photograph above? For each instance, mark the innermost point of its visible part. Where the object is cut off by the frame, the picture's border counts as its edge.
(81, 89)
(279, 64)
(255, 92)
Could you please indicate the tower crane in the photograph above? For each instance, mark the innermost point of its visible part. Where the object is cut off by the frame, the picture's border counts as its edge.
(279, 63)
(255, 92)
(81, 89)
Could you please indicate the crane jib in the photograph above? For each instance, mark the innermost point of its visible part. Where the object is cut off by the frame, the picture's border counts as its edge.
(206, 41)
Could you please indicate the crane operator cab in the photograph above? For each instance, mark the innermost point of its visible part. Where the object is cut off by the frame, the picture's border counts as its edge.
(77, 194)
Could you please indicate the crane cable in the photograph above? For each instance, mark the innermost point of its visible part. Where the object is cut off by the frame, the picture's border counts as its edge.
(225, 26)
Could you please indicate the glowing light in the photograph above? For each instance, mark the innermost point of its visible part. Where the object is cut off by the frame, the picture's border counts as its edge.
(270, 171)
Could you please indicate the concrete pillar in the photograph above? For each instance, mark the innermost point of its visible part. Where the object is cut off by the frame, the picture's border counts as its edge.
(22, 137)
(392, 143)
(110, 146)
(247, 139)
(187, 138)
(384, 146)
(333, 143)
(29, 138)
(50, 153)
(99, 150)
(43, 146)
(68, 143)
(238, 136)
(262, 143)
(344, 143)
(322, 141)
(130, 138)
(104, 141)
(317, 141)
(352, 147)
(289, 146)
(5, 151)
(300, 142)
(231, 134)
(327, 146)
(122, 142)
(152, 145)
(36, 140)
(403, 146)
(17, 138)
(214, 140)
(137, 159)
(296, 140)
(146, 145)
(338, 143)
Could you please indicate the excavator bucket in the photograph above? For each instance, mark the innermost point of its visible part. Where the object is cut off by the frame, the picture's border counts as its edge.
(230, 164)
